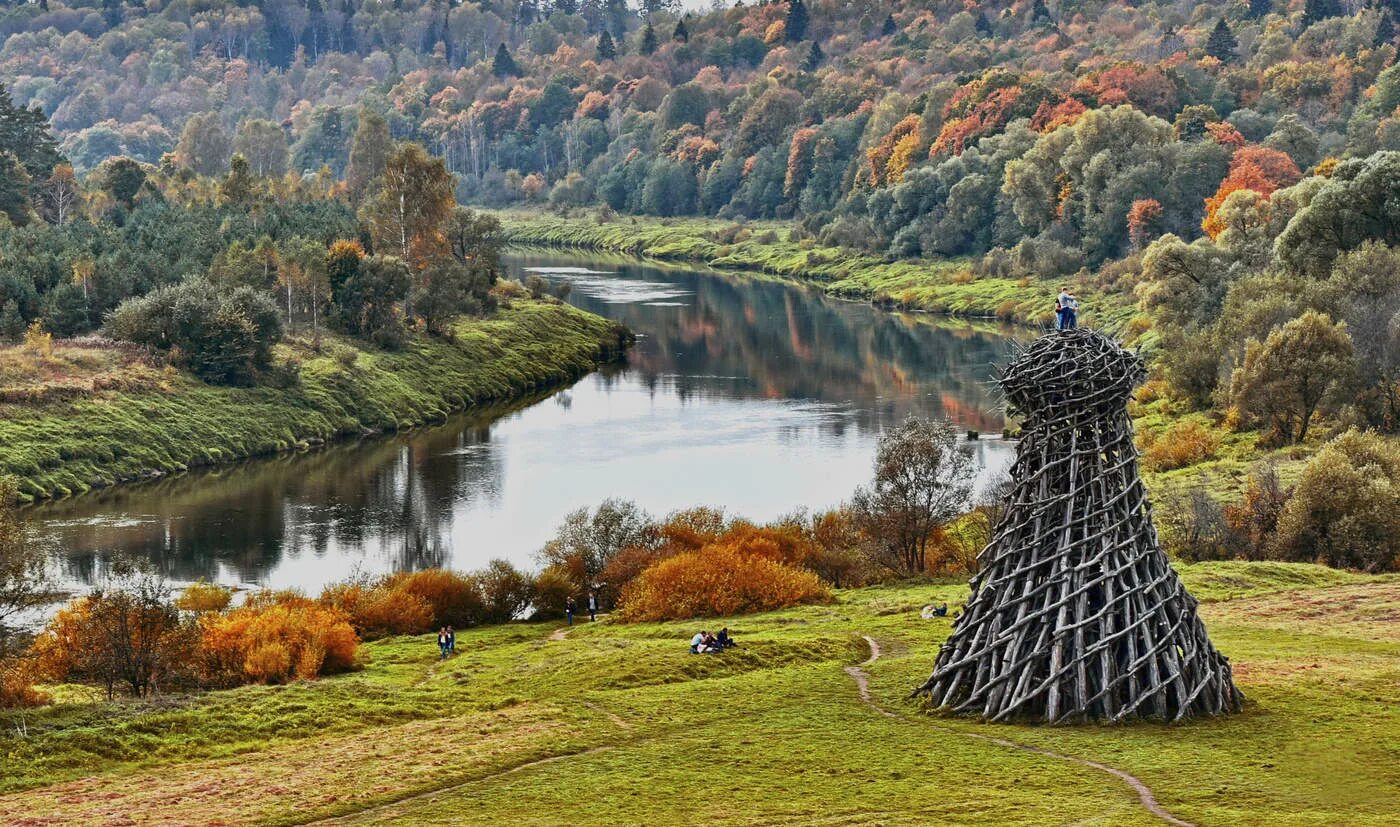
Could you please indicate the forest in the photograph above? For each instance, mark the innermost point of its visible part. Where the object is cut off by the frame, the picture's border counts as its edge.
(1227, 170)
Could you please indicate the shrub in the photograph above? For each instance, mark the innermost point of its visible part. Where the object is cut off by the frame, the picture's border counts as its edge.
(1185, 442)
(1254, 520)
(692, 527)
(1194, 528)
(553, 587)
(717, 580)
(781, 542)
(537, 286)
(38, 341)
(1345, 511)
(204, 597)
(627, 564)
(836, 556)
(454, 599)
(376, 611)
(129, 635)
(17, 685)
(222, 335)
(292, 638)
(506, 590)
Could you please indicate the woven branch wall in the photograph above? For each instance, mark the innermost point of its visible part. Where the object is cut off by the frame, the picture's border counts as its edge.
(1076, 613)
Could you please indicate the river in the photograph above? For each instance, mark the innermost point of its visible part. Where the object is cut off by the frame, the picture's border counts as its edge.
(743, 392)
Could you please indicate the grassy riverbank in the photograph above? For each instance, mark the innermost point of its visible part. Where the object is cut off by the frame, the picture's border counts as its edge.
(939, 286)
(522, 719)
(86, 417)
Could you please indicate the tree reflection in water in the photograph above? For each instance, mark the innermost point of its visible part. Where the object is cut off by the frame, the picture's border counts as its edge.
(742, 392)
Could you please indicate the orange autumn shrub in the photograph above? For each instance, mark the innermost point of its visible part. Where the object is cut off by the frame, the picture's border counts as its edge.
(717, 580)
(455, 599)
(276, 642)
(782, 543)
(17, 685)
(1185, 443)
(692, 528)
(377, 612)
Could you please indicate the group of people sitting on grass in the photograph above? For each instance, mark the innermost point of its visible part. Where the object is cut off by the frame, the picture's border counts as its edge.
(705, 643)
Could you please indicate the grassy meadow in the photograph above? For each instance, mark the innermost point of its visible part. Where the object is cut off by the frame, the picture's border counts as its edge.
(614, 723)
(940, 286)
(86, 416)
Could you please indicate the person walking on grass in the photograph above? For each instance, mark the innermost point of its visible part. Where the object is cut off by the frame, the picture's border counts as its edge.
(592, 607)
(569, 609)
(451, 641)
(442, 643)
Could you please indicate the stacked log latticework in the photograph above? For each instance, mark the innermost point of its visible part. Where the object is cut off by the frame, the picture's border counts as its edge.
(1076, 614)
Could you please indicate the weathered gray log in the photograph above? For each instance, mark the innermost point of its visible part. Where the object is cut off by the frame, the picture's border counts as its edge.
(1076, 613)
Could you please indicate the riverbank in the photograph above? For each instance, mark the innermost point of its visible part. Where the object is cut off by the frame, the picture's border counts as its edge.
(937, 286)
(104, 416)
(507, 731)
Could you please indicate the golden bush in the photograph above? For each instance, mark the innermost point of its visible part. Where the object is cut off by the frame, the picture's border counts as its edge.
(720, 579)
(275, 642)
(1184, 443)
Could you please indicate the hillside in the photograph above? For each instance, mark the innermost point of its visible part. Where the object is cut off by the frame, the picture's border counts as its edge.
(90, 415)
(1210, 172)
(526, 716)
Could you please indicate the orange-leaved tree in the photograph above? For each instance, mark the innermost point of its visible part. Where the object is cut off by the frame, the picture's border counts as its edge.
(1256, 168)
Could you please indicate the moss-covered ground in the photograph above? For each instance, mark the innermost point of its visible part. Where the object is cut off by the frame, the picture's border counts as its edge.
(619, 724)
(93, 419)
(942, 286)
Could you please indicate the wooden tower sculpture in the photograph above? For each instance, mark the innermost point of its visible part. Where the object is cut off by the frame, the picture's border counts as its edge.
(1076, 613)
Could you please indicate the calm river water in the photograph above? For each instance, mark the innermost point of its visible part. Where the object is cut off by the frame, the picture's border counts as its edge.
(742, 392)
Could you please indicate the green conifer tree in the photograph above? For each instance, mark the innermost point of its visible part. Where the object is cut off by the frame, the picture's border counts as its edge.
(503, 65)
(1222, 43)
(797, 20)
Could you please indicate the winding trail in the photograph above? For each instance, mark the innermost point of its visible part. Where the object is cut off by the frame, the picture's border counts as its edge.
(1149, 801)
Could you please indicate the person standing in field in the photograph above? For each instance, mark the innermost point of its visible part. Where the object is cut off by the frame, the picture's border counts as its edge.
(442, 643)
(592, 607)
(569, 609)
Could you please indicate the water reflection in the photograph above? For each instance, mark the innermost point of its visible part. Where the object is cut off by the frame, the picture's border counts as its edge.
(742, 392)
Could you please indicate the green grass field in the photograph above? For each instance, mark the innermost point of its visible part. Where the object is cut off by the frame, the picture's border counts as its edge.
(124, 421)
(940, 286)
(619, 724)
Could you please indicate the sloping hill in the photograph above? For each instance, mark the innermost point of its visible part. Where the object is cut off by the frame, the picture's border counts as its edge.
(617, 722)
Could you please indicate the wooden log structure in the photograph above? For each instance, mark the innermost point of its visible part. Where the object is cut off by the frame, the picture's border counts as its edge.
(1076, 614)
